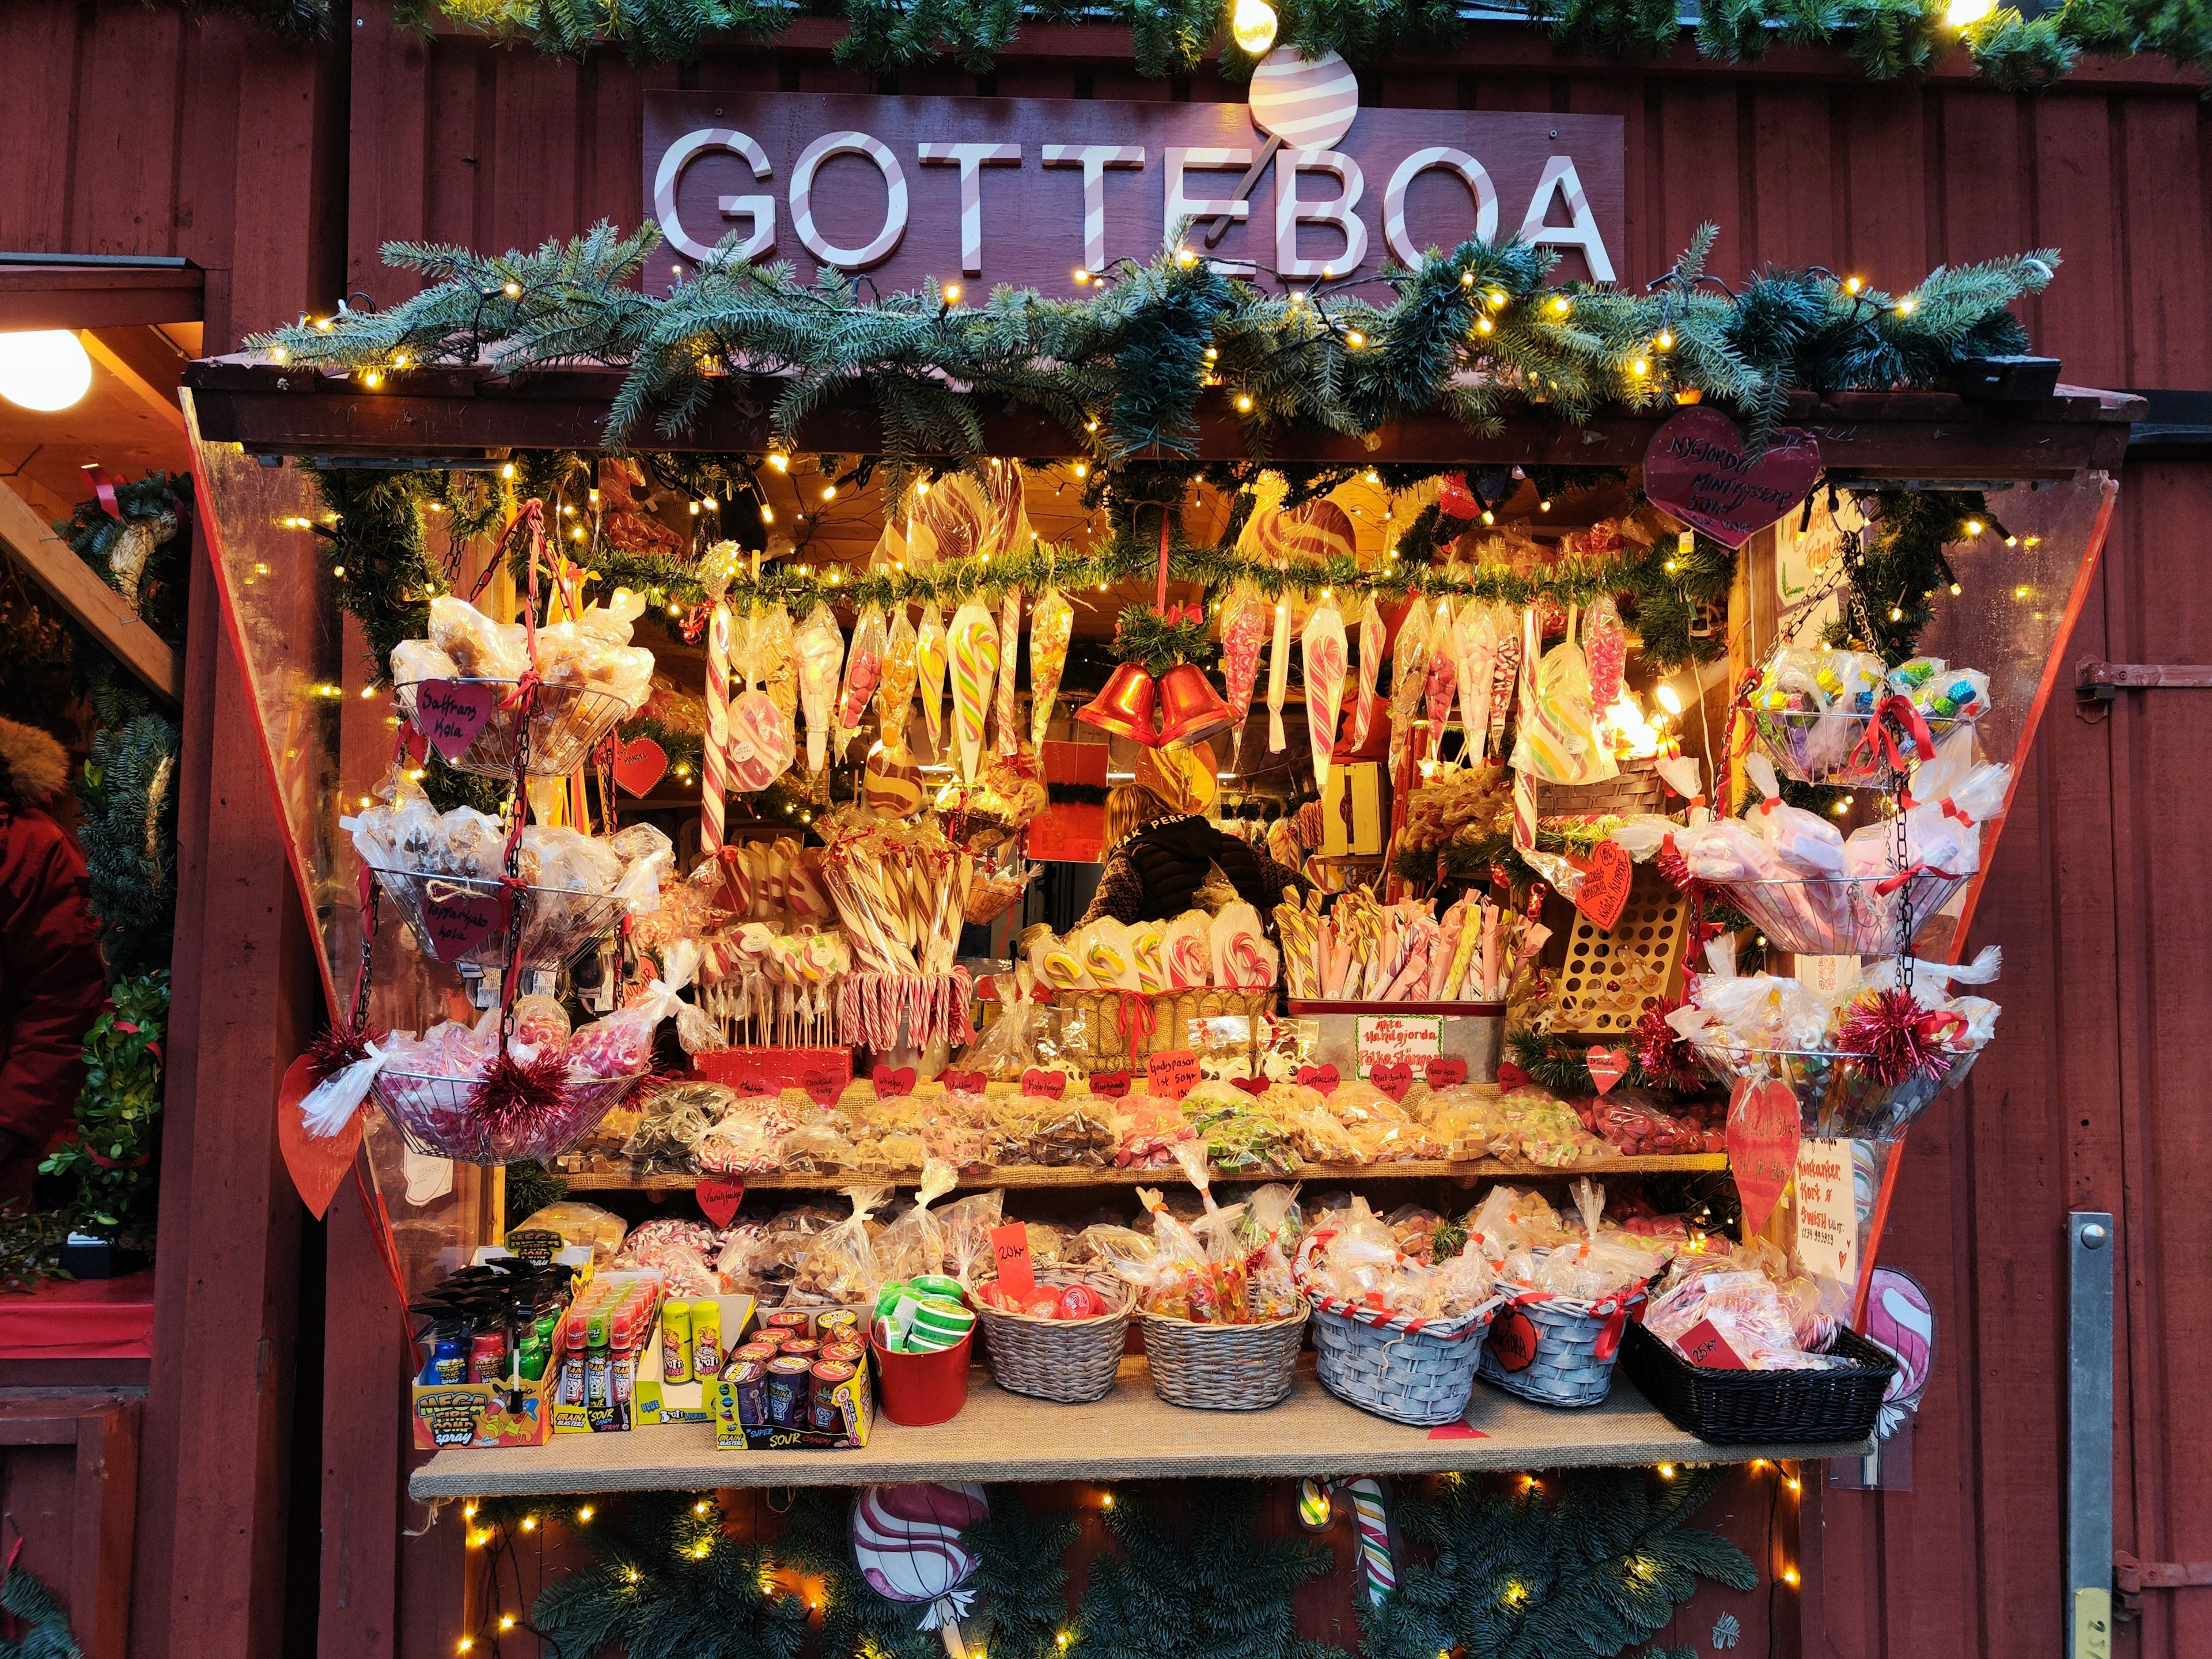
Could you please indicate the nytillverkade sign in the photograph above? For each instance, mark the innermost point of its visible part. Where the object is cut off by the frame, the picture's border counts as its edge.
(1032, 191)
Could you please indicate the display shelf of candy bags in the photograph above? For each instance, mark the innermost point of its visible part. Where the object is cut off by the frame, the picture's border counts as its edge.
(1729, 1407)
(1844, 915)
(1838, 1096)
(558, 925)
(566, 724)
(435, 1117)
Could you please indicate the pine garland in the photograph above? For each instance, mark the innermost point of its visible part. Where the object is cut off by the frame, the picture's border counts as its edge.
(112, 1156)
(157, 508)
(128, 794)
(44, 1627)
(1902, 567)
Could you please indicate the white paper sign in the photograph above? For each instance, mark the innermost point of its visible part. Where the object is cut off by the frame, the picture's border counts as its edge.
(1827, 1211)
(1398, 1039)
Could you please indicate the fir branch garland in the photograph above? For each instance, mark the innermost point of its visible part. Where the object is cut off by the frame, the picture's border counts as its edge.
(42, 1627)
(1144, 636)
(128, 793)
(112, 1155)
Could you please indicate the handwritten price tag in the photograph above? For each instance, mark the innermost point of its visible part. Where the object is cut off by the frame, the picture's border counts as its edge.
(1112, 1084)
(719, 1199)
(1705, 1347)
(1171, 1075)
(890, 1083)
(639, 765)
(1009, 1250)
(1445, 1074)
(1762, 1146)
(1044, 1085)
(463, 920)
(1323, 1078)
(967, 1083)
(450, 713)
(1393, 1080)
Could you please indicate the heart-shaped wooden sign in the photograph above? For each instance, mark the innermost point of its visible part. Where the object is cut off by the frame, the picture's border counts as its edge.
(1762, 1146)
(1513, 1340)
(719, 1199)
(1250, 1085)
(890, 1083)
(1606, 1067)
(317, 1163)
(1445, 1074)
(1695, 467)
(1112, 1084)
(822, 1088)
(1044, 1085)
(1323, 1078)
(1606, 872)
(639, 765)
(967, 1083)
(450, 713)
(1393, 1078)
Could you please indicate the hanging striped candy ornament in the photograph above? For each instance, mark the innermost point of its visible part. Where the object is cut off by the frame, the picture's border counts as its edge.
(1313, 1514)
(1374, 1527)
(714, 760)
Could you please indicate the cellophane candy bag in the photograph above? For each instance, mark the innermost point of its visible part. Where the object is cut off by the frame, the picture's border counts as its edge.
(841, 1267)
(1177, 1282)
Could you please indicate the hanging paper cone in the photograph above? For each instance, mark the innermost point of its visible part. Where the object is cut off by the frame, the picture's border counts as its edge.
(1250, 618)
(931, 659)
(1444, 673)
(973, 640)
(821, 648)
(1010, 659)
(1052, 624)
(1279, 677)
(895, 692)
(1323, 644)
(1372, 636)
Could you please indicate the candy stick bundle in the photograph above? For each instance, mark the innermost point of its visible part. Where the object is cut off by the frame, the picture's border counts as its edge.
(1362, 950)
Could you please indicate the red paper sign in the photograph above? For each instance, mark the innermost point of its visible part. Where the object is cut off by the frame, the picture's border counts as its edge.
(318, 1162)
(1606, 1067)
(1513, 1340)
(1606, 872)
(968, 1083)
(640, 764)
(1445, 1074)
(1323, 1078)
(450, 713)
(1112, 1084)
(890, 1083)
(1762, 1146)
(1250, 1085)
(719, 1199)
(1171, 1075)
(1456, 1431)
(1702, 1345)
(1695, 467)
(1046, 1085)
(1393, 1080)
(1010, 1248)
(823, 1074)
(461, 921)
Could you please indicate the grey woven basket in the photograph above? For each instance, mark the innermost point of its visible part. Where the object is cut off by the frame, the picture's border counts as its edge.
(1071, 1361)
(1571, 1347)
(1222, 1368)
(1395, 1367)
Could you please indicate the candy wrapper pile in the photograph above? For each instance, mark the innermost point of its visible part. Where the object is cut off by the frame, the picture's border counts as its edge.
(1771, 1318)
(1361, 950)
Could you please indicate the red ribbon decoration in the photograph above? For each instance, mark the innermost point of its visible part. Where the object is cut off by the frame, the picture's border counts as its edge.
(1885, 888)
(1880, 746)
(1160, 596)
(104, 486)
(1951, 810)
(1143, 1021)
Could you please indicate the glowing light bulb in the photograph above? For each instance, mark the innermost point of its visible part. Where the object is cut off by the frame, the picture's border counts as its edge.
(1669, 698)
(1244, 401)
(45, 369)
(1253, 26)
(1962, 14)
(776, 458)
(952, 293)
(1355, 339)
(1561, 305)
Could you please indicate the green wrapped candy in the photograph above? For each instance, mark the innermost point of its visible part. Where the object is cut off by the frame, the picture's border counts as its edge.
(937, 1285)
(939, 1322)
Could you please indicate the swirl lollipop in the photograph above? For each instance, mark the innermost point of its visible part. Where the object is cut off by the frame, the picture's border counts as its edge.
(1250, 618)
(948, 523)
(1371, 635)
(1323, 641)
(1306, 103)
(907, 1543)
(1010, 658)
(974, 642)
(930, 659)
(1052, 624)
(821, 648)
(1318, 530)
(864, 671)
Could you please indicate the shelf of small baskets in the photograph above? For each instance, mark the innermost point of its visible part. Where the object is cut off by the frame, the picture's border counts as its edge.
(1844, 915)
(1072, 1362)
(459, 920)
(1838, 1097)
(437, 1116)
(1764, 1408)
(1222, 1368)
(1556, 1351)
(476, 724)
(1411, 1370)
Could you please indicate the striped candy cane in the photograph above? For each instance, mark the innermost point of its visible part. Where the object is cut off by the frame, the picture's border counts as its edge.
(714, 761)
(1374, 1536)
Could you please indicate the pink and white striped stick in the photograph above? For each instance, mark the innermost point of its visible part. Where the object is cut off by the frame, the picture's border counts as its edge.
(714, 761)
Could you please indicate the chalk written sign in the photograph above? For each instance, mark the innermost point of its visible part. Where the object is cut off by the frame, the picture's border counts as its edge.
(1407, 1040)
(460, 920)
(450, 713)
(1827, 1210)
(1028, 191)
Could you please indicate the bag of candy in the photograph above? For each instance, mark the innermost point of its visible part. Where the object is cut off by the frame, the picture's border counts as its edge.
(747, 1139)
(915, 1243)
(839, 1267)
(1178, 1281)
(1598, 1264)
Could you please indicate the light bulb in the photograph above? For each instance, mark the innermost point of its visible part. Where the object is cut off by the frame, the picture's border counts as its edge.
(1669, 698)
(1253, 26)
(1964, 12)
(45, 369)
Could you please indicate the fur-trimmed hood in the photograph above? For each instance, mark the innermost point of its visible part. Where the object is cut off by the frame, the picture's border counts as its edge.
(33, 766)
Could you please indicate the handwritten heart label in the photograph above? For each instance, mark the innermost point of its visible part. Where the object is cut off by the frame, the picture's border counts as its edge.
(1513, 1340)
(1250, 1085)
(1112, 1084)
(1323, 1078)
(1171, 1075)
(1606, 872)
(1762, 1146)
(1010, 1250)
(317, 1163)
(890, 1083)
(1445, 1074)
(450, 713)
(461, 921)
(1696, 468)
(1392, 1079)
(967, 1083)
(1044, 1085)
(719, 1199)
(822, 1088)
(639, 765)
(1606, 1067)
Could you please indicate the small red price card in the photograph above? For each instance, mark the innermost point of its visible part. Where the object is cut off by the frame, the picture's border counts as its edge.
(1173, 1075)
(1009, 1250)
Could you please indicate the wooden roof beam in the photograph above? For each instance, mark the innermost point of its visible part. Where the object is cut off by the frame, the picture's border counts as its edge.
(91, 602)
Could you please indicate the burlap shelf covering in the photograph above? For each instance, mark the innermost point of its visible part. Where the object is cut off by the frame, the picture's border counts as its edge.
(1130, 1435)
(1017, 1175)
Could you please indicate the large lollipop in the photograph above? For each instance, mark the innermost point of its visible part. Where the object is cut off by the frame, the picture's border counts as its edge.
(930, 659)
(1324, 641)
(1010, 657)
(1052, 624)
(1371, 635)
(907, 1542)
(1308, 104)
(1249, 619)
(894, 693)
(974, 642)
(821, 648)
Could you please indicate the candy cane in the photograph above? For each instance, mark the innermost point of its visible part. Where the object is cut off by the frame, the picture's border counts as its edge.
(714, 761)
(1374, 1537)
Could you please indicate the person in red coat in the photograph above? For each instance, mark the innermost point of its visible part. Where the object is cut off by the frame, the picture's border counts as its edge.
(52, 983)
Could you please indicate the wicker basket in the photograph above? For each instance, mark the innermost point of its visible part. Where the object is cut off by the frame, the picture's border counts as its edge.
(1636, 788)
(1410, 1370)
(1558, 1352)
(1222, 1368)
(1073, 1361)
(1764, 1408)
(1608, 981)
(1115, 1030)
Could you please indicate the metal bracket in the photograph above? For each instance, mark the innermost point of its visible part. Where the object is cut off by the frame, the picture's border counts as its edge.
(2088, 1613)
(2131, 1575)
(2100, 682)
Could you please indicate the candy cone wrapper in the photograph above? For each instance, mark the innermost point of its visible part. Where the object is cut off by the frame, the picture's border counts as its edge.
(1474, 651)
(821, 647)
(930, 659)
(1444, 673)
(1504, 679)
(774, 667)
(895, 694)
(1052, 624)
(1241, 955)
(1108, 957)
(864, 672)
(973, 642)
(1371, 635)
(1250, 618)
(1323, 645)
(1279, 677)
(1148, 945)
(1409, 678)
(1009, 659)
(1187, 950)
(1604, 645)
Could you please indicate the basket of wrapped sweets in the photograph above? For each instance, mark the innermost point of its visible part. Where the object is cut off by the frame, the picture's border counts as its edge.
(1063, 1341)
(1845, 718)
(1394, 1335)
(1128, 991)
(466, 687)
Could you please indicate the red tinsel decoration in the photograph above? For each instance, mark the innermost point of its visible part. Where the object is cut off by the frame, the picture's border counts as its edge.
(1661, 1054)
(511, 1097)
(337, 1048)
(1899, 1038)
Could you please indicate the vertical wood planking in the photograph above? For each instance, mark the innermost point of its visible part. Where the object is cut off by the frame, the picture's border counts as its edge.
(123, 187)
(1639, 257)
(2082, 314)
(1881, 157)
(2155, 183)
(36, 126)
(533, 183)
(389, 159)
(1696, 162)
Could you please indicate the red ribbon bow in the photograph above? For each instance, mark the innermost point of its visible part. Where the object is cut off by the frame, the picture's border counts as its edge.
(1952, 810)
(1893, 883)
(1880, 746)
(1136, 1016)
(1175, 614)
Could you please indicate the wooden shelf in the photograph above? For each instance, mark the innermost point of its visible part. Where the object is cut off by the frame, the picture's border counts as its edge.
(1130, 1435)
(1019, 1177)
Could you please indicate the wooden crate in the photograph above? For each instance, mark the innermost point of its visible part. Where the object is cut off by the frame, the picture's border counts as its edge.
(1604, 981)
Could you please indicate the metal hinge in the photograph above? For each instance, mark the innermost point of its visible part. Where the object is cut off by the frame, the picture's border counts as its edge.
(2129, 1575)
(2103, 681)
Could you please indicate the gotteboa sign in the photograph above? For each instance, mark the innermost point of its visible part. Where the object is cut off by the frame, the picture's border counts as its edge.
(1029, 192)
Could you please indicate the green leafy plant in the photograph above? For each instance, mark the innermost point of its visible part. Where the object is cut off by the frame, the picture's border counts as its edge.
(112, 1156)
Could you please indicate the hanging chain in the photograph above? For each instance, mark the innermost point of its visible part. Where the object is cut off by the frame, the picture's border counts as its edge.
(367, 955)
(1901, 858)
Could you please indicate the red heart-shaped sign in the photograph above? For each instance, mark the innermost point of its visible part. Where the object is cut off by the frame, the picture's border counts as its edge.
(1696, 468)
(1606, 1067)
(1323, 1078)
(1045, 1085)
(1606, 872)
(719, 1199)
(318, 1162)
(462, 920)
(1393, 1079)
(1762, 1146)
(639, 765)
(1513, 1340)
(450, 713)
(822, 1088)
(891, 1083)
(967, 1083)
(1445, 1074)
(1510, 1076)
(1250, 1085)
(1112, 1084)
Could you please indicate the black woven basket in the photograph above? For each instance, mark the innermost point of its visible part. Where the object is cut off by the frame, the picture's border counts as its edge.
(1763, 1408)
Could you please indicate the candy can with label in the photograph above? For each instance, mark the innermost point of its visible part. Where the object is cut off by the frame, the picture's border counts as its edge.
(805, 1347)
(829, 1375)
(838, 1325)
(764, 1351)
(706, 1338)
(789, 1390)
(675, 1342)
(786, 1322)
(748, 1382)
(849, 1353)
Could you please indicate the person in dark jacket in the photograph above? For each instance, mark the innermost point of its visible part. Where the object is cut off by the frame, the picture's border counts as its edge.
(52, 984)
(1156, 859)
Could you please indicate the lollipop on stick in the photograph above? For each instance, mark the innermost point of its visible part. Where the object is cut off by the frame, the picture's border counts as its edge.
(1371, 635)
(1323, 641)
(1308, 104)
(974, 642)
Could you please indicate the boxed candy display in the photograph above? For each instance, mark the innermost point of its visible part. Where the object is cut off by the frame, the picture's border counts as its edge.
(489, 1337)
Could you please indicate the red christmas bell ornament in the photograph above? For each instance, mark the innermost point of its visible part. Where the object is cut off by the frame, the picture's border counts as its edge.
(1454, 499)
(1191, 710)
(1125, 707)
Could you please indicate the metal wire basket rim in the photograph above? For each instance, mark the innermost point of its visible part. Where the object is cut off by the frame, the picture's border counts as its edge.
(1786, 1054)
(427, 876)
(478, 1077)
(1909, 877)
(1951, 722)
(566, 688)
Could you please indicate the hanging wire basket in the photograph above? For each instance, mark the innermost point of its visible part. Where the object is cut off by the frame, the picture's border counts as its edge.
(1844, 915)
(1811, 747)
(435, 1117)
(566, 724)
(1837, 1099)
(558, 925)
